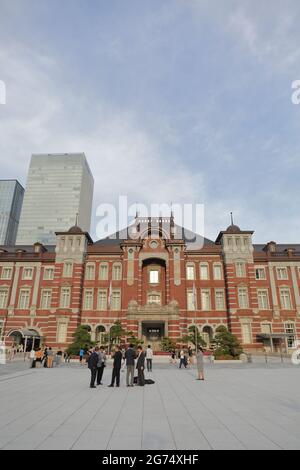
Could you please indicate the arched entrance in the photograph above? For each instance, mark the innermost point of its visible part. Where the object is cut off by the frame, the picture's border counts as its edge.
(208, 335)
(100, 332)
(27, 339)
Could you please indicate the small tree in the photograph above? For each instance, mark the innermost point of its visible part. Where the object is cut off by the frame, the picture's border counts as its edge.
(131, 339)
(168, 344)
(227, 344)
(194, 337)
(115, 334)
(82, 340)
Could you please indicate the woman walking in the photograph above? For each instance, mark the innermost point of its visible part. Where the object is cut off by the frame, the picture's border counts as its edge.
(200, 363)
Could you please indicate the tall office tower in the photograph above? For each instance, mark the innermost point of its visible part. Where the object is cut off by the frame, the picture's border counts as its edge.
(59, 186)
(11, 200)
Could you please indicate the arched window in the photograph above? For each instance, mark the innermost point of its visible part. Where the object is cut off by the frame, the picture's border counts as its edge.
(117, 272)
(103, 272)
(100, 332)
(190, 272)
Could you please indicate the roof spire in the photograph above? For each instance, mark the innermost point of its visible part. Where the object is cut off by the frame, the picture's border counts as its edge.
(136, 211)
(231, 217)
(76, 221)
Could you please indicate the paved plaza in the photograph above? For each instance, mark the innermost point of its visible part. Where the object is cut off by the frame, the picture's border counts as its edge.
(239, 406)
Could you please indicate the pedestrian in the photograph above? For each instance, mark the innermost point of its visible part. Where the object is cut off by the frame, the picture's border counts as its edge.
(173, 357)
(45, 357)
(92, 365)
(81, 354)
(140, 365)
(149, 357)
(101, 365)
(50, 358)
(130, 361)
(38, 358)
(200, 363)
(32, 358)
(182, 358)
(58, 358)
(117, 364)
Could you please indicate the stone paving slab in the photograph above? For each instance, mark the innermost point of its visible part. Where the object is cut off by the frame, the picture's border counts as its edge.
(242, 406)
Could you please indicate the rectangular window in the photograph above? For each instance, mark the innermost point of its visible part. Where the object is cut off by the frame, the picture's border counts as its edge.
(27, 274)
(191, 301)
(117, 272)
(204, 273)
(243, 297)
(205, 300)
(116, 300)
(89, 299)
(285, 298)
(65, 297)
(103, 273)
(263, 299)
(190, 273)
(217, 271)
(48, 274)
(246, 333)
(260, 273)
(291, 331)
(68, 270)
(102, 299)
(61, 335)
(219, 298)
(154, 299)
(153, 276)
(3, 298)
(266, 328)
(282, 274)
(46, 299)
(240, 268)
(24, 299)
(6, 273)
(90, 272)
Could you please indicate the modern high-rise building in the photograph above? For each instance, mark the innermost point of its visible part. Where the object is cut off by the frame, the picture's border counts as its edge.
(59, 188)
(11, 199)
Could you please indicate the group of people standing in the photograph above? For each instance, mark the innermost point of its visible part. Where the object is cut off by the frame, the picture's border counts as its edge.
(134, 360)
(45, 358)
(186, 358)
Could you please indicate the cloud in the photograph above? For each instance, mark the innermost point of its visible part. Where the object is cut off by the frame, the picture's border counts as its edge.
(183, 103)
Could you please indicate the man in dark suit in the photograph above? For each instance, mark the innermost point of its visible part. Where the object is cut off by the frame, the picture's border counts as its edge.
(116, 367)
(92, 365)
(140, 365)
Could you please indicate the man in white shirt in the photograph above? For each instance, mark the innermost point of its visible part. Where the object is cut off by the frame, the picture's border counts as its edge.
(149, 357)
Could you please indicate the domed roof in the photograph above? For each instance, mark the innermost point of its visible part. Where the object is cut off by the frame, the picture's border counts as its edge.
(233, 229)
(75, 230)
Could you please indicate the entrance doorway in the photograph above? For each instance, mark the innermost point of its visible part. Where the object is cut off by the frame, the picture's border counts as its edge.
(153, 333)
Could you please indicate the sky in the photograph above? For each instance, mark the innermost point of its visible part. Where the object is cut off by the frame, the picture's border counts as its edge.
(186, 101)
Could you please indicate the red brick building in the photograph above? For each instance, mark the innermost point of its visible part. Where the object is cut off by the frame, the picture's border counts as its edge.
(157, 281)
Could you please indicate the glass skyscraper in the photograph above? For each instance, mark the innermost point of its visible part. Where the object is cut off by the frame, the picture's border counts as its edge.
(11, 199)
(59, 186)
